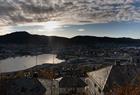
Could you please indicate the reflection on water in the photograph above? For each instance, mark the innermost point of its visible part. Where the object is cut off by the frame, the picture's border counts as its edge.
(21, 63)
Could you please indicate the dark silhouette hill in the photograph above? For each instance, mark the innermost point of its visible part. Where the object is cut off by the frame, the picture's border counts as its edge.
(105, 41)
(24, 37)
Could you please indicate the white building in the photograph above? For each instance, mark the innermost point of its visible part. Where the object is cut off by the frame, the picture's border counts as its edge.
(103, 80)
(51, 86)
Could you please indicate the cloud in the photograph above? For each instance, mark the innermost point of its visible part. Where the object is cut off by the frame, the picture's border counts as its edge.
(81, 30)
(68, 11)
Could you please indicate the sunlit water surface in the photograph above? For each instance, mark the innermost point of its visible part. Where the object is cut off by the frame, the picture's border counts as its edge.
(25, 62)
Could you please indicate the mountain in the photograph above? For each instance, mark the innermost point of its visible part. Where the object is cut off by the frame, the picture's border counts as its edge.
(105, 41)
(24, 37)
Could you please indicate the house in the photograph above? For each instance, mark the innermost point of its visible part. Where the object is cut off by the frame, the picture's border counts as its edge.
(51, 86)
(72, 85)
(136, 60)
(21, 86)
(118, 60)
(103, 80)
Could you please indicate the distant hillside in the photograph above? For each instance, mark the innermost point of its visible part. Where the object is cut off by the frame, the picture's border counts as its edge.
(105, 41)
(23, 37)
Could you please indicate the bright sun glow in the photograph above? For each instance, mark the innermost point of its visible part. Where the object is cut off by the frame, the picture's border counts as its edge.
(49, 26)
(52, 25)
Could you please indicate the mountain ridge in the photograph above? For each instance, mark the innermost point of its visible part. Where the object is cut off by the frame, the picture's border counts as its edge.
(24, 37)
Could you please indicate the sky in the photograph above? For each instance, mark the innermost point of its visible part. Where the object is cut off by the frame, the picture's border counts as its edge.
(69, 18)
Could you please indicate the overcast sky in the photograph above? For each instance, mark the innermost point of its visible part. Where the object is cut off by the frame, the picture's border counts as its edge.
(114, 18)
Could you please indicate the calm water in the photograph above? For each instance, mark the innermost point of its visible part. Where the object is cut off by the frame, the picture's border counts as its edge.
(21, 63)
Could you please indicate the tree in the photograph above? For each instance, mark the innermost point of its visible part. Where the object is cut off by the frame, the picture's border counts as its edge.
(126, 90)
